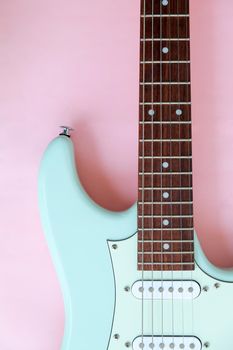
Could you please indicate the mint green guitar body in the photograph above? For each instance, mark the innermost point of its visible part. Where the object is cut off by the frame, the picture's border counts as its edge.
(95, 255)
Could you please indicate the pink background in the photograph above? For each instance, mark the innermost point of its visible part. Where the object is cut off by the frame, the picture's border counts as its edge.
(76, 62)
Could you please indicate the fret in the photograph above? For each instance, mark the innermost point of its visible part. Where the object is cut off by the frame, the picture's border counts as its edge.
(167, 216)
(157, 195)
(163, 157)
(165, 27)
(165, 229)
(166, 132)
(170, 189)
(165, 246)
(166, 266)
(165, 263)
(151, 253)
(164, 150)
(165, 83)
(166, 173)
(162, 122)
(166, 188)
(175, 7)
(173, 223)
(164, 72)
(166, 258)
(165, 203)
(171, 241)
(164, 93)
(177, 50)
(165, 209)
(164, 103)
(166, 181)
(164, 236)
(162, 39)
(165, 140)
(155, 165)
(165, 112)
(166, 15)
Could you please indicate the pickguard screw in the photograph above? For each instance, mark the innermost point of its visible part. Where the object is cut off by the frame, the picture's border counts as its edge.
(205, 288)
(207, 345)
(116, 336)
(128, 344)
(217, 285)
(127, 288)
(114, 246)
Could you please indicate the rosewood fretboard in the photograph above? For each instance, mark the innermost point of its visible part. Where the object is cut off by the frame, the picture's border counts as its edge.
(165, 208)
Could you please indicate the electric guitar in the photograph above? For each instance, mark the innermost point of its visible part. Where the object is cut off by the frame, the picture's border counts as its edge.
(138, 279)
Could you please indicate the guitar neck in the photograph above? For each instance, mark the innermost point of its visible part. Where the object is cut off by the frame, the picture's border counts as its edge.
(165, 198)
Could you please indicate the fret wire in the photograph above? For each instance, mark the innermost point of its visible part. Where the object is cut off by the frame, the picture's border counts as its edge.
(167, 173)
(166, 263)
(167, 216)
(165, 39)
(164, 83)
(166, 157)
(165, 203)
(165, 252)
(165, 140)
(165, 188)
(167, 229)
(164, 15)
(164, 122)
(167, 240)
(164, 62)
(164, 103)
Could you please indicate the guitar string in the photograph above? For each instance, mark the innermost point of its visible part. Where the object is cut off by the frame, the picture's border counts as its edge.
(188, 72)
(152, 173)
(180, 176)
(171, 170)
(161, 176)
(143, 2)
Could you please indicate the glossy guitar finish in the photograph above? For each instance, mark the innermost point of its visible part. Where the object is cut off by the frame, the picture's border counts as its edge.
(95, 255)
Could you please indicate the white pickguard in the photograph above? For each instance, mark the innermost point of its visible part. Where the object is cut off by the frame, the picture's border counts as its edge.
(205, 317)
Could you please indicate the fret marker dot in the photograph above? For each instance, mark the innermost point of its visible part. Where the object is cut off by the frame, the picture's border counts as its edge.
(165, 50)
(179, 112)
(165, 195)
(166, 222)
(166, 246)
(165, 2)
(151, 112)
(165, 165)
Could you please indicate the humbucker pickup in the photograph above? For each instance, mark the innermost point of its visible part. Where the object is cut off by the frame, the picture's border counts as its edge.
(167, 289)
(166, 343)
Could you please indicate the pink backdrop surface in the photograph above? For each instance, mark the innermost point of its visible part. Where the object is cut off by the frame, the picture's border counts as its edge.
(76, 62)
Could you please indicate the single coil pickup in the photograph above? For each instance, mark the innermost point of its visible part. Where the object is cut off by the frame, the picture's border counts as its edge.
(166, 290)
(166, 343)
